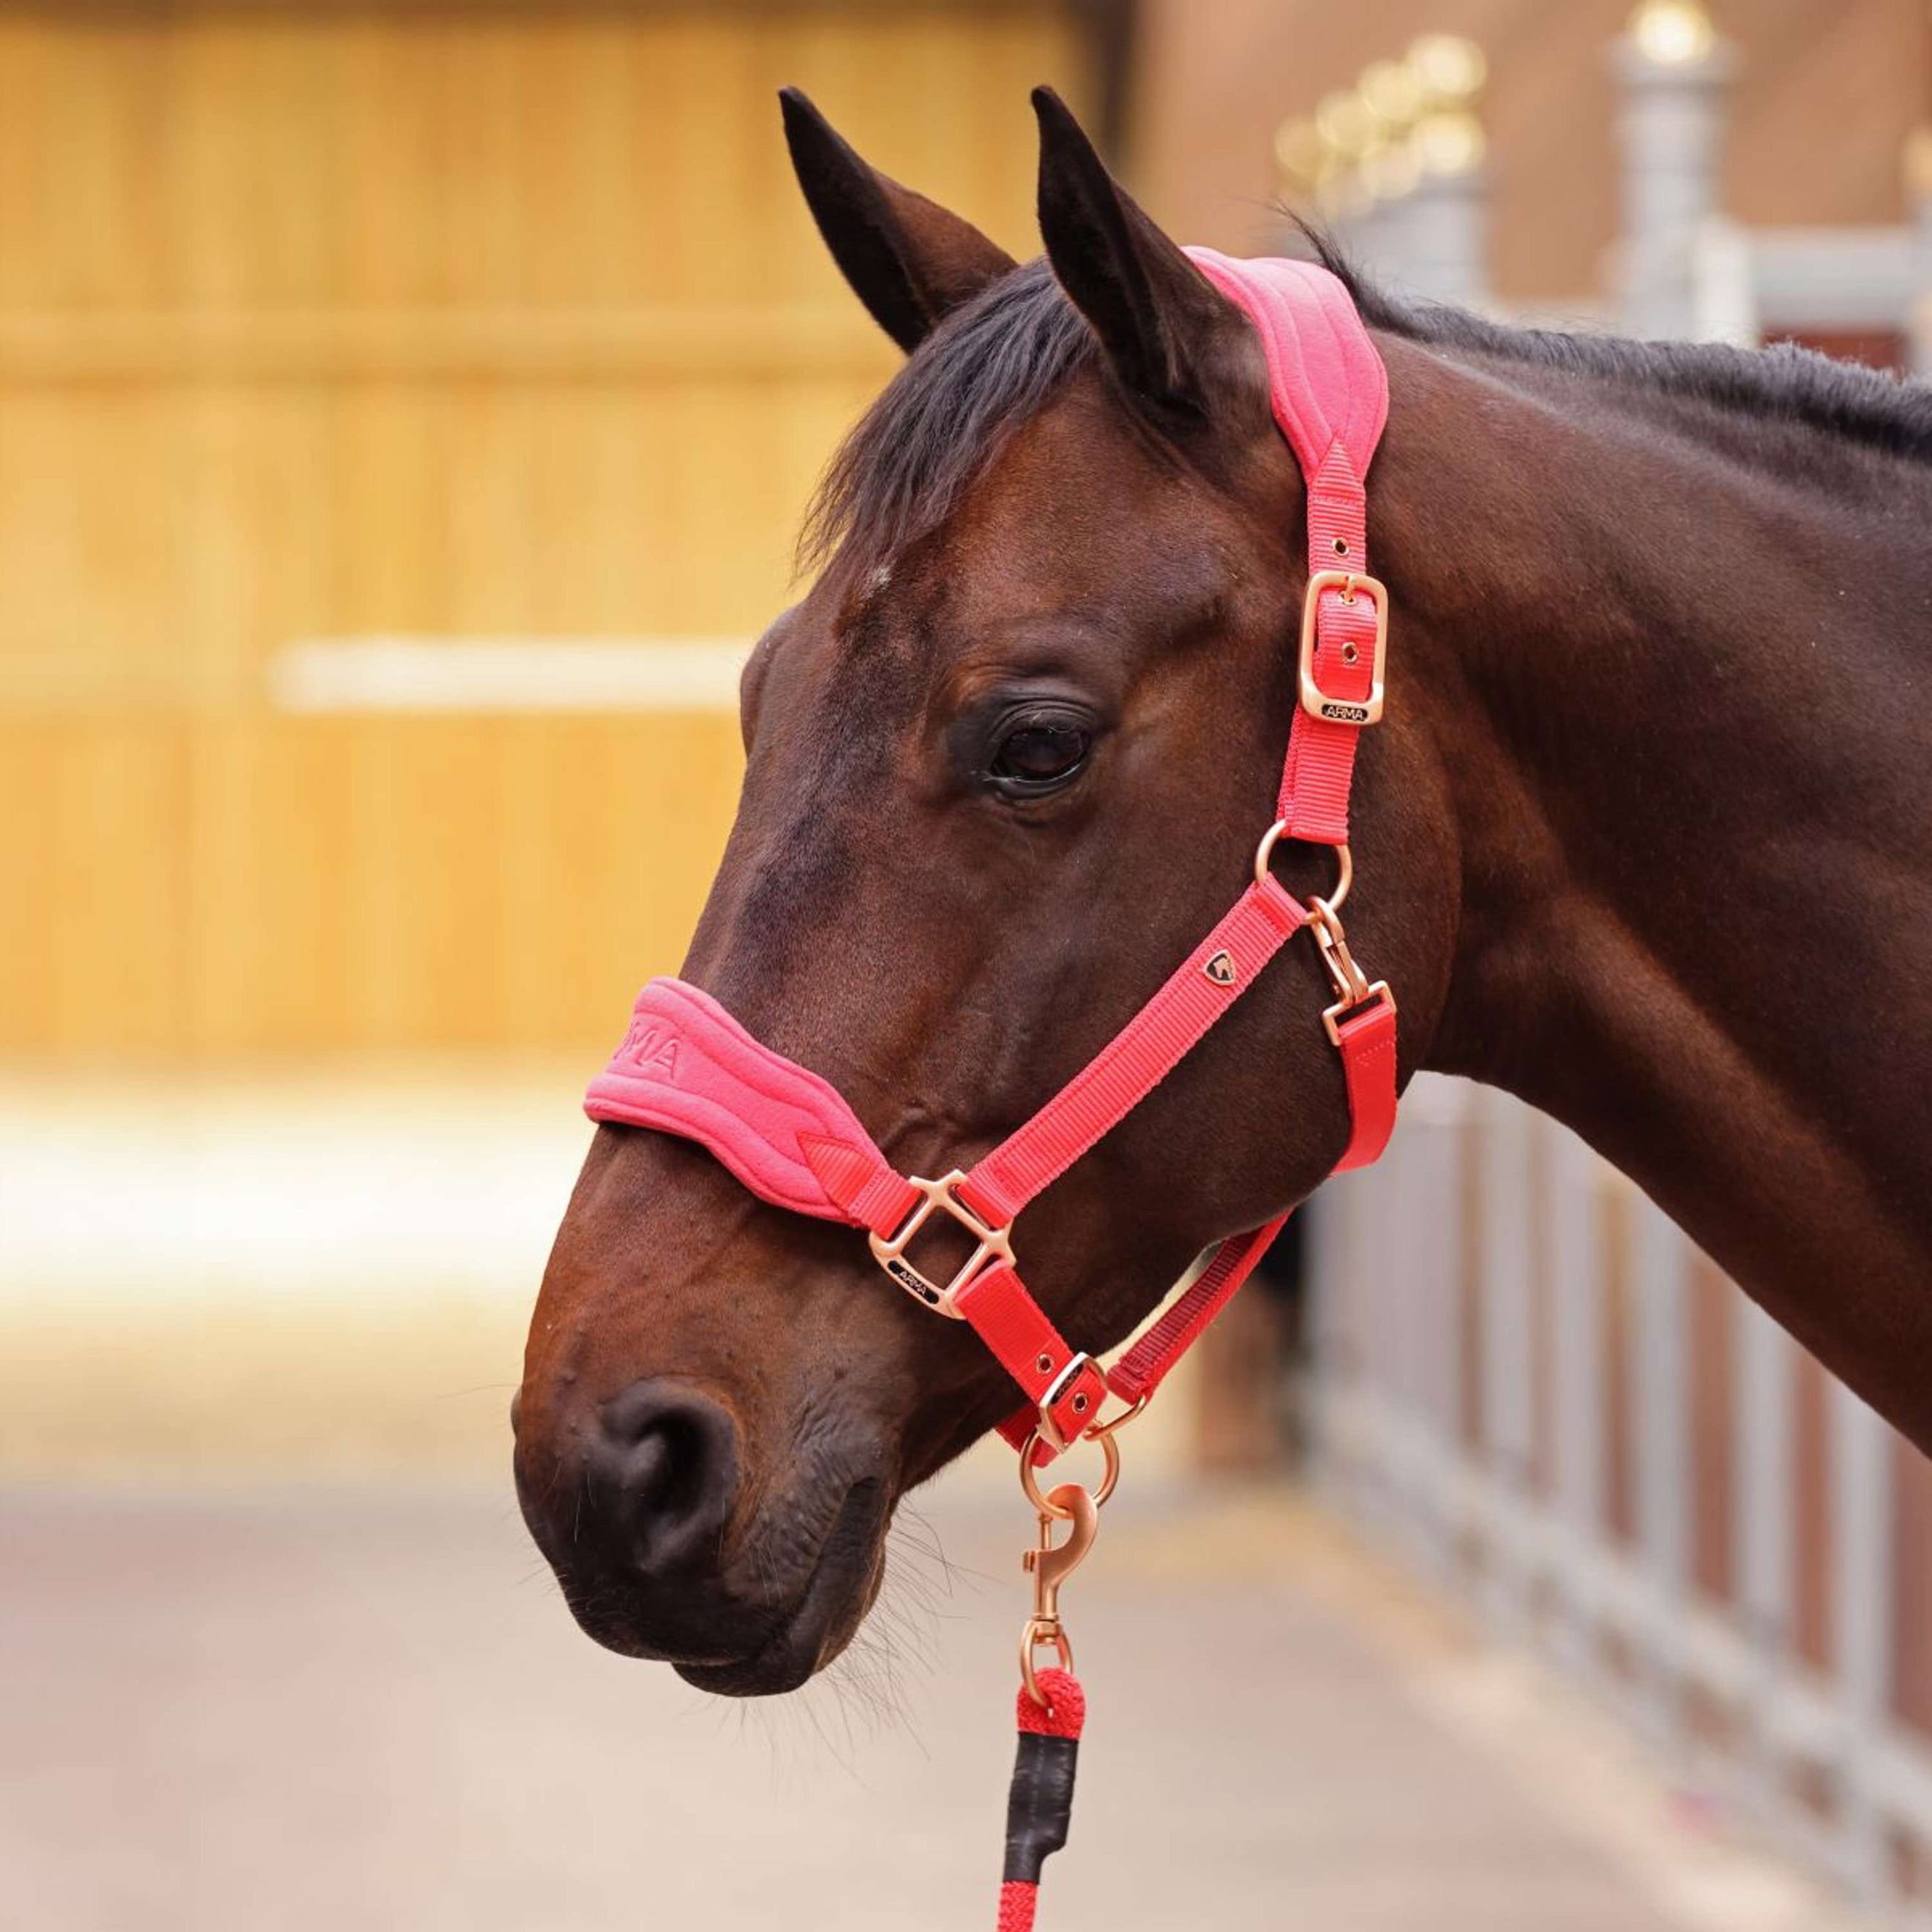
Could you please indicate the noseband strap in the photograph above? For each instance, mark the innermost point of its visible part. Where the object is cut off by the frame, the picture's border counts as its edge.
(687, 1067)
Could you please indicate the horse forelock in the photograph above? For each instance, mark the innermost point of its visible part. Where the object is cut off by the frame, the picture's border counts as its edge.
(987, 369)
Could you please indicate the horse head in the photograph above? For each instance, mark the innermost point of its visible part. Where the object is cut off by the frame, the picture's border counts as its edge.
(1005, 762)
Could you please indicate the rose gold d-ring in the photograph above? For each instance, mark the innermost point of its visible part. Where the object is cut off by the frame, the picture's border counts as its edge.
(1344, 858)
(1102, 1430)
(1038, 1497)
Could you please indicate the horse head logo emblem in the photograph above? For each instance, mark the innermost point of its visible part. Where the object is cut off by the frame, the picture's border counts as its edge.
(1221, 969)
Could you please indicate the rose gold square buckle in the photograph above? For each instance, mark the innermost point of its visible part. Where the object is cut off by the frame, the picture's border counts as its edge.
(990, 1244)
(1314, 700)
(1078, 1364)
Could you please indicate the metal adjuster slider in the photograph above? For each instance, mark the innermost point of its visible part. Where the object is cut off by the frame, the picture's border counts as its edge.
(1314, 700)
(992, 1244)
(1049, 1429)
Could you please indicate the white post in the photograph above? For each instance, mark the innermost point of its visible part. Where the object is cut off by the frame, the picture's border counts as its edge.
(1507, 1357)
(1371, 234)
(1445, 220)
(1918, 217)
(1675, 74)
(1661, 1405)
(1861, 1630)
(1723, 286)
(1429, 1233)
(1332, 1270)
(1579, 1348)
(1381, 1205)
(1762, 1507)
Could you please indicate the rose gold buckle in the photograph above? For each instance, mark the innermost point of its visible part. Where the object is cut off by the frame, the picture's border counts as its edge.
(1049, 1429)
(1355, 986)
(1314, 700)
(992, 1244)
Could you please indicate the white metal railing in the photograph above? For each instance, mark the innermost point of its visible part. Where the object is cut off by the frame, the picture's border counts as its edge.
(1681, 267)
(1469, 1400)
(1751, 284)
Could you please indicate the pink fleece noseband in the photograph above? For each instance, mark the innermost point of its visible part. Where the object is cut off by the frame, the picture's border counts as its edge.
(687, 1067)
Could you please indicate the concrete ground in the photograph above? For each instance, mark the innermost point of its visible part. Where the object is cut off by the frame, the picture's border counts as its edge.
(364, 1706)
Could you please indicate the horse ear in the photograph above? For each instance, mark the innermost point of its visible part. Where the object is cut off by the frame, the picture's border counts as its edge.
(1159, 319)
(910, 261)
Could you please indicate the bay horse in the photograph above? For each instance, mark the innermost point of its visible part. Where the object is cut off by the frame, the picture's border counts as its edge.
(1644, 838)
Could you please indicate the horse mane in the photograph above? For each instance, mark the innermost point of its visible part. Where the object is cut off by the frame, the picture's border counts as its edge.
(1782, 383)
(999, 359)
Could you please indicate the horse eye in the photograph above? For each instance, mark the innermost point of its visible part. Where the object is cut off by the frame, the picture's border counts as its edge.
(1038, 757)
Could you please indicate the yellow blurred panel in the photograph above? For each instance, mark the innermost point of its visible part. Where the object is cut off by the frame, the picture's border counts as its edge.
(421, 1386)
(392, 882)
(117, 916)
(29, 759)
(323, 323)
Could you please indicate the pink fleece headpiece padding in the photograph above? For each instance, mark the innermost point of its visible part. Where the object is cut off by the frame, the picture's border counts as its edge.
(687, 1067)
(1327, 382)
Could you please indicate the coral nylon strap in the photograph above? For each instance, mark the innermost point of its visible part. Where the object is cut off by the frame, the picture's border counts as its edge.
(686, 1066)
(1329, 390)
(1137, 1059)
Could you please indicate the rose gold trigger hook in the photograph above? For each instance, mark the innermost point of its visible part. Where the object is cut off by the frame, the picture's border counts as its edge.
(1050, 1564)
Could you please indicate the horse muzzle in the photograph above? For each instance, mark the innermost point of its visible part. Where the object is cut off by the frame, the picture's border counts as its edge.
(640, 1506)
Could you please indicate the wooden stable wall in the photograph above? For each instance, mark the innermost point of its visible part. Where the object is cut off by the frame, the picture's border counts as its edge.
(334, 321)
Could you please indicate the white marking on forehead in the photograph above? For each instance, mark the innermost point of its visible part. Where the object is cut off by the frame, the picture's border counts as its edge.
(881, 576)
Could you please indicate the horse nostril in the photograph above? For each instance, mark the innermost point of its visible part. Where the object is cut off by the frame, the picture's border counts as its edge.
(666, 1461)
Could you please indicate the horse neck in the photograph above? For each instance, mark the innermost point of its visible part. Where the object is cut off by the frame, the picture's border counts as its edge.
(1681, 703)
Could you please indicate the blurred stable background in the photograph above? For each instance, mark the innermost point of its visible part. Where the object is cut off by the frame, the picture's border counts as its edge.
(406, 410)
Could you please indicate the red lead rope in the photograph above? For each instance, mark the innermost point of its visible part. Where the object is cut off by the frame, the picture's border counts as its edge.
(1040, 1802)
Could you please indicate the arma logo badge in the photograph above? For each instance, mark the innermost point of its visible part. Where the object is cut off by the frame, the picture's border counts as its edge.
(653, 1051)
(908, 1277)
(1220, 969)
